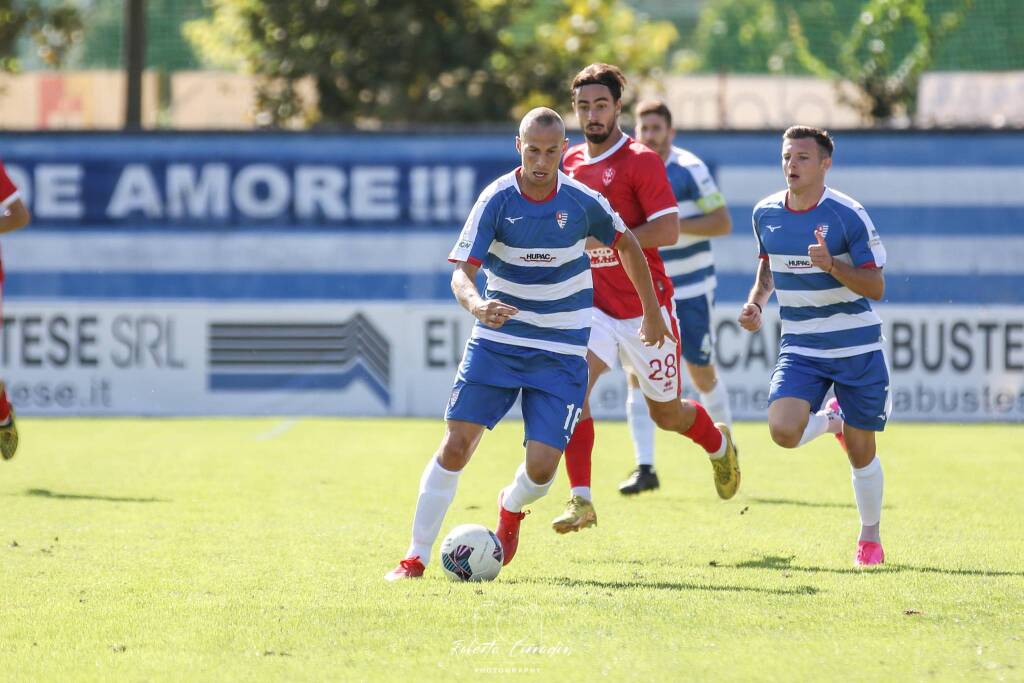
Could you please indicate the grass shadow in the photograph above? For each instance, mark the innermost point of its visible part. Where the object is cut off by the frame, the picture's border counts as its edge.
(800, 503)
(661, 585)
(780, 563)
(46, 493)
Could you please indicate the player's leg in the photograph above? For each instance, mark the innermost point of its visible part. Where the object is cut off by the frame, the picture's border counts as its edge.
(8, 430)
(641, 428)
(657, 371)
(698, 352)
(471, 408)
(862, 390)
(579, 512)
(798, 387)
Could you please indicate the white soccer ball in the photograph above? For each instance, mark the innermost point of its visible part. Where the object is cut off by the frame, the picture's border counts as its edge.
(471, 552)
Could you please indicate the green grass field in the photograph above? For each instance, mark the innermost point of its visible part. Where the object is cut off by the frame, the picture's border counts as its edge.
(238, 549)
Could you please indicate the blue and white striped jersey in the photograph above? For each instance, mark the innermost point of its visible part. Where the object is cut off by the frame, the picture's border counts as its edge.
(820, 317)
(533, 256)
(689, 262)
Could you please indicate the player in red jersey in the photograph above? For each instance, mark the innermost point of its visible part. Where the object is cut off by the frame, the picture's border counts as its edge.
(633, 179)
(13, 215)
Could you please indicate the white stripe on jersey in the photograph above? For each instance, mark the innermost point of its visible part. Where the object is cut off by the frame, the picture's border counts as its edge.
(567, 320)
(10, 199)
(689, 209)
(552, 258)
(800, 263)
(674, 267)
(541, 292)
(833, 323)
(704, 287)
(844, 352)
(544, 345)
(821, 297)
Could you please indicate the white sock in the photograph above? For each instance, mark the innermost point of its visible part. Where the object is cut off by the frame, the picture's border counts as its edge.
(716, 402)
(641, 426)
(437, 489)
(868, 483)
(581, 491)
(817, 424)
(523, 491)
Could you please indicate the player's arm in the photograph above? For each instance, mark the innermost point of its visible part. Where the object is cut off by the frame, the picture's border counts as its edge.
(653, 329)
(663, 231)
(15, 215)
(717, 223)
(490, 312)
(764, 285)
(866, 279)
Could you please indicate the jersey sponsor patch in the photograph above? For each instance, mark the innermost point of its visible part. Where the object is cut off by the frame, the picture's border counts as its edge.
(603, 258)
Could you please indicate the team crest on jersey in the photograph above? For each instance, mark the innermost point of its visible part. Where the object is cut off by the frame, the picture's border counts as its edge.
(561, 218)
(823, 227)
(608, 176)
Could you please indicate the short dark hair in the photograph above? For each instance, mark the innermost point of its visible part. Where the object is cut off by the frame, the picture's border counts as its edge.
(654, 107)
(607, 75)
(820, 135)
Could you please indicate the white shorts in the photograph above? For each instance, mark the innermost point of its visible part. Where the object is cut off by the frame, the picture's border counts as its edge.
(656, 369)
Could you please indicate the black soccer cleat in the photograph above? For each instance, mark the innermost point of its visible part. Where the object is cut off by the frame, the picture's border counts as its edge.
(639, 481)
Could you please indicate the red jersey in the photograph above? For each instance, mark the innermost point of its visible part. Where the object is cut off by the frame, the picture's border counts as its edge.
(632, 178)
(8, 193)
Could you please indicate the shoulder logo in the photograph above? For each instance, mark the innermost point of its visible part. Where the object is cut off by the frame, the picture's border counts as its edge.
(513, 220)
(773, 228)
(561, 218)
(608, 176)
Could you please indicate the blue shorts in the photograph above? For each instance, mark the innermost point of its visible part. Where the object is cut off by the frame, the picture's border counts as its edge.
(694, 316)
(861, 383)
(492, 375)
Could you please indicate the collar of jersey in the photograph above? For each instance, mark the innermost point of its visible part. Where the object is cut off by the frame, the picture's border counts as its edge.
(785, 202)
(558, 186)
(607, 153)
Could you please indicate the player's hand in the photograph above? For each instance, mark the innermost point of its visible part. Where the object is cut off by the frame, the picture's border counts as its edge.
(654, 331)
(750, 318)
(493, 313)
(820, 258)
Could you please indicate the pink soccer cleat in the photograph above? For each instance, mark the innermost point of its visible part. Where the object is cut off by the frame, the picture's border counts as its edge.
(409, 568)
(508, 530)
(832, 410)
(869, 553)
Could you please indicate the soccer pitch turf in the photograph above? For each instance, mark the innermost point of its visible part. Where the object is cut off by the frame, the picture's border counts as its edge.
(230, 549)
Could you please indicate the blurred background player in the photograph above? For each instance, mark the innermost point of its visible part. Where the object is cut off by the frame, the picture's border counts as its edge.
(690, 265)
(528, 230)
(634, 180)
(821, 253)
(13, 215)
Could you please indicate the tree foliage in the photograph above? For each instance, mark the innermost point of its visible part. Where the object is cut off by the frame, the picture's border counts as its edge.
(879, 48)
(401, 61)
(52, 30)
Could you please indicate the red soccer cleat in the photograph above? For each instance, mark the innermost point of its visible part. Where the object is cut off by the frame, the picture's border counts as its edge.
(409, 568)
(508, 530)
(832, 409)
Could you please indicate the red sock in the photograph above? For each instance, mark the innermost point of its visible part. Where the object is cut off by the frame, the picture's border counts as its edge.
(577, 453)
(704, 432)
(5, 407)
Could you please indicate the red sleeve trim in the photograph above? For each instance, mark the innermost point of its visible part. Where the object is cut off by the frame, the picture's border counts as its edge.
(763, 257)
(870, 265)
(618, 236)
(473, 261)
